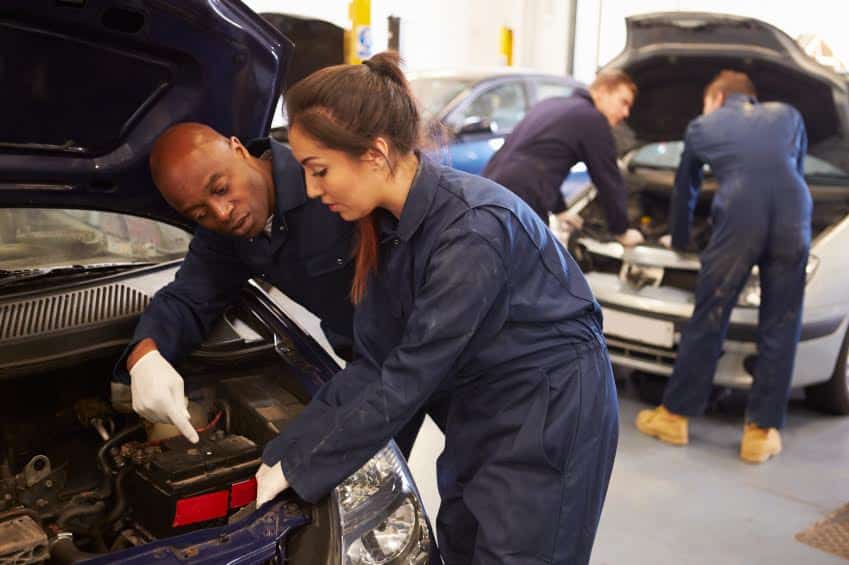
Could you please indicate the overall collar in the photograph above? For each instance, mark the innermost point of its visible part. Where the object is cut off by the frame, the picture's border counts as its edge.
(737, 100)
(420, 198)
(288, 178)
(289, 187)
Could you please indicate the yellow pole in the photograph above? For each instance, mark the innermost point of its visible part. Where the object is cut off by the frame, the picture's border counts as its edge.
(507, 45)
(358, 37)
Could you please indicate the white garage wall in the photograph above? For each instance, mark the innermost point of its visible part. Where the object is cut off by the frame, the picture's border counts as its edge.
(454, 33)
(445, 33)
(464, 33)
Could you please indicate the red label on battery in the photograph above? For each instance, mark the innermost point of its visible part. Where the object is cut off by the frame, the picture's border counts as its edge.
(243, 493)
(201, 508)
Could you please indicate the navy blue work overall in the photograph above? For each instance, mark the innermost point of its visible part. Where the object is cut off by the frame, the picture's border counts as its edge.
(477, 300)
(761, 216)
(553, 136)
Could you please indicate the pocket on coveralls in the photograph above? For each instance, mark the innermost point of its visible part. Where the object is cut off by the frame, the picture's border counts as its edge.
(563, 409)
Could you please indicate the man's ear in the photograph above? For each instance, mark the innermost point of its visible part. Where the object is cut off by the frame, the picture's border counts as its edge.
(237, 146)
(720, 99)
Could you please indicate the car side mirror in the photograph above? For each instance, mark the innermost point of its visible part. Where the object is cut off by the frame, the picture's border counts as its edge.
(477, 126)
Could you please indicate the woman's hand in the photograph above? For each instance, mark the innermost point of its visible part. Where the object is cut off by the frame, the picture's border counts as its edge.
(270, 481)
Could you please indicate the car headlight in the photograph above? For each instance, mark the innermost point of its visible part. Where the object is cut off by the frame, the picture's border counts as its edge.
(750, 296)
(383, 522)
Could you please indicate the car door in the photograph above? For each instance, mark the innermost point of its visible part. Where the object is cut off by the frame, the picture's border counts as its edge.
(483, 120)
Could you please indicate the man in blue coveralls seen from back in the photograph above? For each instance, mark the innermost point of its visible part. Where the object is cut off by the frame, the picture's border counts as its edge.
(761, 215)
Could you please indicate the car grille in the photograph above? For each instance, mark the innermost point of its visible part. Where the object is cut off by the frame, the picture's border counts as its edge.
(641, 352)
(70, 310)
(683, 279)
(680, 278)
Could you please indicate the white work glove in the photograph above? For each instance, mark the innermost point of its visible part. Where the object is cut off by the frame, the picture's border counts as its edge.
(270, 481)
(567, 221)
(630, 238)
(158, 394)
(666, 241)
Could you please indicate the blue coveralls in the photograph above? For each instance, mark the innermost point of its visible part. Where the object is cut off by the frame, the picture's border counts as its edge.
(553, 136)
(308, 257)
(475, 296)
(761, 216)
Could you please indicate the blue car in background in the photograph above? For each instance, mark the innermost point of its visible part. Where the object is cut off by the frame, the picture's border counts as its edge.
(470, 113)
(85, 243)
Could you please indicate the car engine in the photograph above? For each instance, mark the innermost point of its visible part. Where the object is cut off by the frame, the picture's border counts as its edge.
(79, 478)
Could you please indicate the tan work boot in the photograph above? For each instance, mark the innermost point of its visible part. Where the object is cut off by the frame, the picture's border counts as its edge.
(664, 425)
(759, 444)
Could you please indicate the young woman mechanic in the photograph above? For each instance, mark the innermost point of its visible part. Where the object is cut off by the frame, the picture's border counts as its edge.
(460, 289)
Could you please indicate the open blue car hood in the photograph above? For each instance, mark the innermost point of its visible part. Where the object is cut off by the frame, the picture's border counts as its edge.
(88, 85)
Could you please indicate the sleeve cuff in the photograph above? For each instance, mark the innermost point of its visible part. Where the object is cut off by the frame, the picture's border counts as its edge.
(283, 451)
(120, 374)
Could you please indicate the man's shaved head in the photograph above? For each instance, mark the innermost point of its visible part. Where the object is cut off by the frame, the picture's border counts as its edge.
(175, 144)
(212, 179)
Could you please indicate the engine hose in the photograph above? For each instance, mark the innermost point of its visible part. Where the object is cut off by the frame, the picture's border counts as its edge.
(77, 511)
(64, 550)
(116, 439)
(105, 489)
(120, 503)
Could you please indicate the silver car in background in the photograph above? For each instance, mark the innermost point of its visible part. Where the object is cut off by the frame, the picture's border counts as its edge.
(647, 292)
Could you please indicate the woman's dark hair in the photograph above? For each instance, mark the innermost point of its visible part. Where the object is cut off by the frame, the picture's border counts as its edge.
(347, 107)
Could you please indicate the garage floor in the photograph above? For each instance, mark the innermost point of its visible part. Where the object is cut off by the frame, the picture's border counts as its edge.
(700, 504)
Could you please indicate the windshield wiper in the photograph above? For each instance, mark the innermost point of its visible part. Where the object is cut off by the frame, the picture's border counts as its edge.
(16, 276)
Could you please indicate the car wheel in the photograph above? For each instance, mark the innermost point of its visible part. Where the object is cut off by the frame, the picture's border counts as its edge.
(832, 396)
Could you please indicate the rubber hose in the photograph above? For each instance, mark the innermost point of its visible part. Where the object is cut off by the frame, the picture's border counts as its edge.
(120, 504)
(105, 489)
(64, 550)
(77, 511)
(117, 438)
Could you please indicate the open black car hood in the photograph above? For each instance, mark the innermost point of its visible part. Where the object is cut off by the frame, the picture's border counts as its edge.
(88, 85)
(672, 56)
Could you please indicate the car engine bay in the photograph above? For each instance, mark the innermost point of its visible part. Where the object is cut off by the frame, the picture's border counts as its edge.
(80, 476)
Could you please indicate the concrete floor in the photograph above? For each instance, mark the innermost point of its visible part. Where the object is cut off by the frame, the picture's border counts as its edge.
(700, 504)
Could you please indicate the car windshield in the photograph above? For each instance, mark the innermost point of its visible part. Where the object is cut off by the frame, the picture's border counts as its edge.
(667, 154)
(434, 93)
(38, 238)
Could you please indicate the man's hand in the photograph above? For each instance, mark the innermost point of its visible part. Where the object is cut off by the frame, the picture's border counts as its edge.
(666, 241)
(630, 238)
(270, 481)
(158, 393)
(567, 221)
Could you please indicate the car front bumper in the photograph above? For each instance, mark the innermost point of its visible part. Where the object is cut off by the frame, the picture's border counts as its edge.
(643, 329)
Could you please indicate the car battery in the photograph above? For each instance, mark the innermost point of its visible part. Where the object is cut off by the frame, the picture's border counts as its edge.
(189, 486)
(259, 406)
